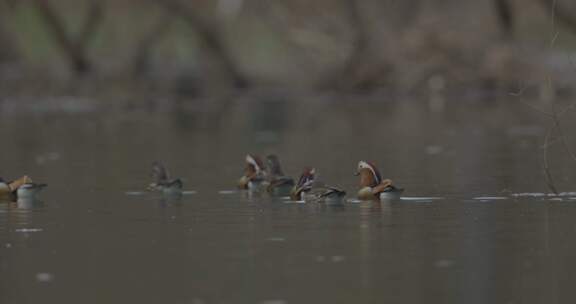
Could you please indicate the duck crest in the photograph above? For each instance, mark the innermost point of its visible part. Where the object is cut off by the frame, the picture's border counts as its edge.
(369, 175)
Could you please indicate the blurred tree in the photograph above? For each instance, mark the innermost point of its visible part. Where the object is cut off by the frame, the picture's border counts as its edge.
(8, 50)
(559, 11)
(146, 44)
(505, 17)
(75, 49)
(362, 69)
(210, 39)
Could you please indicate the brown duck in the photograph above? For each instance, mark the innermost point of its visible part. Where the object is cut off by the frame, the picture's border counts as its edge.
(254, 174)
(372, 186)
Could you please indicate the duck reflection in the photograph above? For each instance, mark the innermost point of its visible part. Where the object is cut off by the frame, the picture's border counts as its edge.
(166, 201)
(331, 207)
(28, 203)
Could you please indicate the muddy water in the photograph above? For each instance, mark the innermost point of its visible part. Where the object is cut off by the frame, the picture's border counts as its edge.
(489, 236)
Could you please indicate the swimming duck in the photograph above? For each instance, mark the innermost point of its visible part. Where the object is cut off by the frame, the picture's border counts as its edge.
(29, 190)
(254, 174)
(308, 189)
(372, 186)
(162, 181)
(279, 184)
(22, 188)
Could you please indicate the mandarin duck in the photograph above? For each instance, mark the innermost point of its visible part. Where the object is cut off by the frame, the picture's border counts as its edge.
(254, 174)
(22, 188)
(308, 189)
(162, 182)
(372, 186)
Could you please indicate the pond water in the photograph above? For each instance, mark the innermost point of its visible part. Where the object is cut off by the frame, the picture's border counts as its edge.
(491, 235)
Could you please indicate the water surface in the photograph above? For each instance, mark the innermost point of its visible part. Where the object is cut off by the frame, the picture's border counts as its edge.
(478, 226)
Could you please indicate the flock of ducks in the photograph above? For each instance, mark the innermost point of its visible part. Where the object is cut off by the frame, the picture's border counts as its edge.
(258, 177)
(270, 178)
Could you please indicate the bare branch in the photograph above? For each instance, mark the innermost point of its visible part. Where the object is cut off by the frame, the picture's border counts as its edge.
(73, 49)
(209, 37)
(505, 16)
(145, 45)
(77, 61)
(561, 14)
(92, 21)
(349, 74)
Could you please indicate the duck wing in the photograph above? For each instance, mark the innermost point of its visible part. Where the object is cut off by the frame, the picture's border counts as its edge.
(159, 173)
(177, 183)
(330, 191)
(281, 181)
(385, 186)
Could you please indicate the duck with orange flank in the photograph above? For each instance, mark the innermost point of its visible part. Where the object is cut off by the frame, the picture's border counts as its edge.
(254, 178)
(308, 189)
(372, 186)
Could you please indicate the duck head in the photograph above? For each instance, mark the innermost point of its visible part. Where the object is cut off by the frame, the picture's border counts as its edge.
(304, 183)
(369, 175)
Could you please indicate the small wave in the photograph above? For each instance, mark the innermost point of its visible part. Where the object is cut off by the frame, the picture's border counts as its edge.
(423, 198)
(134, 192)
(227, 192)
(490, 198)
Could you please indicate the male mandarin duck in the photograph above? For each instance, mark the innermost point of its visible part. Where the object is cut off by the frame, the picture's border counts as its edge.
(254, 174)
(279, 184)
(308, 189)
(372, 186)
(162, 182)
(22, 188)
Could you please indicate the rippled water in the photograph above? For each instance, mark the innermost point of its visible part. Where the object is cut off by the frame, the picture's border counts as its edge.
(476, 225)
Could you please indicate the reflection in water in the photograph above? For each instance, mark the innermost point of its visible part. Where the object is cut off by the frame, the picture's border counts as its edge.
(170, 200)
(269, 120)
(104, 243)
(29, 203)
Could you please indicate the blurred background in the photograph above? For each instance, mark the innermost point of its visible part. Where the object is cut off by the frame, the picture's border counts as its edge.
(194, 48)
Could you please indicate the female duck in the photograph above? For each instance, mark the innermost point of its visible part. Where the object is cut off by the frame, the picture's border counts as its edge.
(308, 189)
(162, 181)
(279, 184)
(254, 174)
(372, 186)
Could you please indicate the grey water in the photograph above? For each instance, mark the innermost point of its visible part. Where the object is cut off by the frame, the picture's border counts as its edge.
(477, 224)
